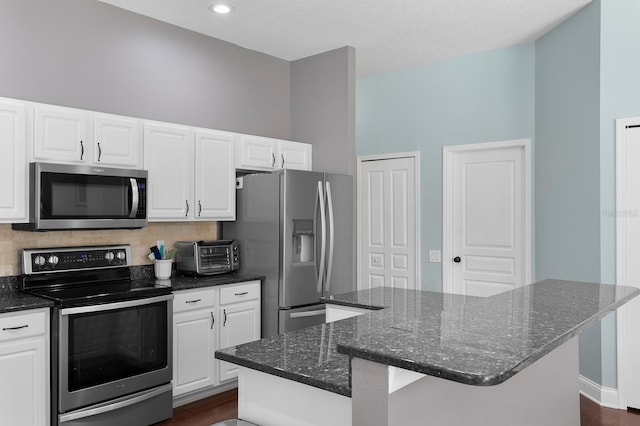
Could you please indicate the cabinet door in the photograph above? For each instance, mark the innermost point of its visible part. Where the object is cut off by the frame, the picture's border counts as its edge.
(256, 152)
(61, 134)
(215, 180)
(13, 161)
(117, 141)
(193, 351)
(24, 368)
(168, 156)
(294, 155)
(239, 323)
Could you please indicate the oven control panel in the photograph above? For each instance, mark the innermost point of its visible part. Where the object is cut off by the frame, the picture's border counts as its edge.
(61, 259)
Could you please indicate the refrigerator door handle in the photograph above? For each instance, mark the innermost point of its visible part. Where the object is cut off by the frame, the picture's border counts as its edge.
(323, 242)
(307, 314)
(331, 237)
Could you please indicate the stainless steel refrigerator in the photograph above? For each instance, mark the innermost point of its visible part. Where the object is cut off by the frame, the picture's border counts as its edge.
(295, 228)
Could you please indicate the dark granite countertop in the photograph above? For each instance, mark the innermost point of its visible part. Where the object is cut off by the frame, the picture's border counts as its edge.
(186, 282)
(11, 301)
(471, 340)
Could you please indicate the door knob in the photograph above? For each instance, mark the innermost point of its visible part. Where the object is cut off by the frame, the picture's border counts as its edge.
(457, 259)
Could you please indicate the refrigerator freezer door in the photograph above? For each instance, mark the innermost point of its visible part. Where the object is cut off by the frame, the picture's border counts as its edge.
(299, 233)
(295, 319)
(341, 277)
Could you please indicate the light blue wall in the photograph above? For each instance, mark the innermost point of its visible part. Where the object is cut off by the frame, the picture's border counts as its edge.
(477, 98)
(567, 161)
(619, 98)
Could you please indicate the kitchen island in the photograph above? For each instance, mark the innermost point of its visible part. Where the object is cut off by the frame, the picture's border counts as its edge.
(454, 359)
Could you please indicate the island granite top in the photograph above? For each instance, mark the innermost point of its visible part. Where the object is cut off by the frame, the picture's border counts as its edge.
(471, 340)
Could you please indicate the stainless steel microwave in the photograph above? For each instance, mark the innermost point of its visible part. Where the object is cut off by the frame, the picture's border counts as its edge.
(63, 196)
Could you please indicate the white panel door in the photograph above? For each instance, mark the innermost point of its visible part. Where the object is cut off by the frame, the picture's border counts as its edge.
(13, 161)
(387, 243)
(256, 152)
(215, 180)
(61, 134)
(240, 324)
(294, 155)
(168, 156)
(488, 220)
(117, 141)
(628, 250)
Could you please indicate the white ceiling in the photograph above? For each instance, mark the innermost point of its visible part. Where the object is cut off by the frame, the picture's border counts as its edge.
(386, 34)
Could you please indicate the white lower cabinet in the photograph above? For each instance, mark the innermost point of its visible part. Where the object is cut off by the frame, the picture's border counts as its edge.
(205, 320)
(240, 316)
(24, 368)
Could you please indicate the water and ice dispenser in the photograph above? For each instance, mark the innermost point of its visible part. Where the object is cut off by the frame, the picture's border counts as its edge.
(303, 241)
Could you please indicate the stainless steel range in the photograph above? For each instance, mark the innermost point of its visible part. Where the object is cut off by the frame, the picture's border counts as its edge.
(111, 337)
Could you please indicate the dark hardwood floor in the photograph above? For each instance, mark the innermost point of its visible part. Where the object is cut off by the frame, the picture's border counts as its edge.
(207, 411)
(225, 406)
(591, 414)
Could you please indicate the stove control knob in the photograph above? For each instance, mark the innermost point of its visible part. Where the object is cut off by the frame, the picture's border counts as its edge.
(38, 260)
(109, 256)
(121, 255)
(53, 259)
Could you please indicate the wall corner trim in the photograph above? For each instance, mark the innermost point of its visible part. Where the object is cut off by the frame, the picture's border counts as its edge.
(601, 395)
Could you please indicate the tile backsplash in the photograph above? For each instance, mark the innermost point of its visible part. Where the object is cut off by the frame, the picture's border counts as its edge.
(140, 240)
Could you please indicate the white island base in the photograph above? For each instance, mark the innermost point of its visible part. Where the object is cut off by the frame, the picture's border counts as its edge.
(544, 393)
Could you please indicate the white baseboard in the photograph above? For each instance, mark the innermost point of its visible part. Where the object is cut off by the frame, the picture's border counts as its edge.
(601, 395)
(205, 393)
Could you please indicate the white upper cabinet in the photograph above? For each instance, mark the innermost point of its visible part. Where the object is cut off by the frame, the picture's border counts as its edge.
(13, 161)
(68, 135)
(61, 134)
(260, 153)
(116, 140)
(191, 173)
(215, 190)
(294, 155)
(168, 156)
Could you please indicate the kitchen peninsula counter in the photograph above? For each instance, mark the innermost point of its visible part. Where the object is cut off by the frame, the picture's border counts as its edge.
(466, 340)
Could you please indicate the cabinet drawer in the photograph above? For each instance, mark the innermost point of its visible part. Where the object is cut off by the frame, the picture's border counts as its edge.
(18, 326)
(240, 292)
(192, 300)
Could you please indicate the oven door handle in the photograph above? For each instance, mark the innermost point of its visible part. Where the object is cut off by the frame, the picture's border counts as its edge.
(143, 396)
(114, 306)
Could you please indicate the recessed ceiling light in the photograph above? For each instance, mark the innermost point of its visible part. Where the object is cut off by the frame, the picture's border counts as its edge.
(221, 8)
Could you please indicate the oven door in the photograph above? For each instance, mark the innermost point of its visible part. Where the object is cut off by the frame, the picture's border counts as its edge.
(110, 350)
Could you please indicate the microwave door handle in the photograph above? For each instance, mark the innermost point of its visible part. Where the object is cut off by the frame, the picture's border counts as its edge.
(135, 198)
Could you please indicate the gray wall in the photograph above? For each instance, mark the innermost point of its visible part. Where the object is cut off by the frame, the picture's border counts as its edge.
(90, 55)
(323, 108)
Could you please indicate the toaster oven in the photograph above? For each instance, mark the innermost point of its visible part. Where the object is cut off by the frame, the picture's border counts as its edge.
(207, 257)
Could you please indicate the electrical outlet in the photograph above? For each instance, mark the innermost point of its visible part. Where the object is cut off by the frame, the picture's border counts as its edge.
(434, 256)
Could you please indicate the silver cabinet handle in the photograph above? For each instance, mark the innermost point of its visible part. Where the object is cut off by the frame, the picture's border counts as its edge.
(224, 322)
(282, 156)
(192, 301)
(15, 328)
(99, 152)
(187, 212)
(273, 159)
(81, 150)
(213, 320)
(199, 208)
(242, 294)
